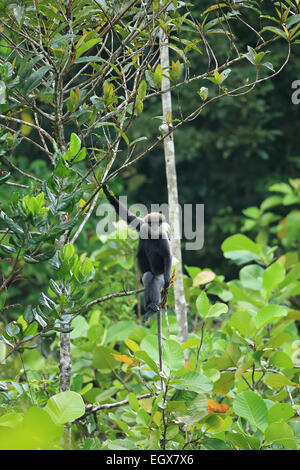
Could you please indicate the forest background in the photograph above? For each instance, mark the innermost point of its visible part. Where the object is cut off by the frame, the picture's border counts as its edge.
(240, 158)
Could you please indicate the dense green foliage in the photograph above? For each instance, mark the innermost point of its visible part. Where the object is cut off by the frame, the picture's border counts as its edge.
(79, 105)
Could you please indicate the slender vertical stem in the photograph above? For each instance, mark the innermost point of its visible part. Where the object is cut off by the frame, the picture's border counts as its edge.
(65, 360)
(200, 345)
(163, 386)
(65, 363)
(159, 339)
(174, 214)
(65, 367)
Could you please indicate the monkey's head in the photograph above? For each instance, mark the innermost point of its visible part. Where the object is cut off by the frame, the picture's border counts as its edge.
(154, 218)
(154, 226)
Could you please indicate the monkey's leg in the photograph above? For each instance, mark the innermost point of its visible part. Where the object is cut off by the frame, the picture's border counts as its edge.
(153, 285)
(147, 281)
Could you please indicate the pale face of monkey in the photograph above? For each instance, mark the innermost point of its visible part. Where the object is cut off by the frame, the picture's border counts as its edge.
(154, 227)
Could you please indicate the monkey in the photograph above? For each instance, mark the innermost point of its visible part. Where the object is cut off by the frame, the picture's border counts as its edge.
(153, 254)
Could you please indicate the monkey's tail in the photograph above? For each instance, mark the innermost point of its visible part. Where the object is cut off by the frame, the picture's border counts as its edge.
(153, 308)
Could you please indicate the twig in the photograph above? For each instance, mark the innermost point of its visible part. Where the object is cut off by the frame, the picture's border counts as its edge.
(17, 185)
(107, 406)
(107, 297)
(291, 399)
(200, 345)
(34, 126)
(80, 228)
(21, 171)
(16, 346)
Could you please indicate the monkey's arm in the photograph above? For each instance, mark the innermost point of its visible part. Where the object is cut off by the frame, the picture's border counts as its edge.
(167, 264)
(122, 211)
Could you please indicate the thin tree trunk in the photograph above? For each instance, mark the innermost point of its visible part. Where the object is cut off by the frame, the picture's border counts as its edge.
(174, 210)
(65, 366)
(65, 360)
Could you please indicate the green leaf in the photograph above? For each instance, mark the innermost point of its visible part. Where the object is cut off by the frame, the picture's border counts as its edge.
(277, 31)
(120, 331)
(251, 406)
(74, 147)
(61, 169)
(35, 431)
(103, 358)
(83, 269)
(65, 407)
(147, 359)
(11, 420)
(150, 346)
(194, 382)
(45, 255)
(203, 93)
(80, 327)
(240, 242)
(224, 384)
(46, 301)
(281, 433)
(214, 424)
(271, 201)
(282, 360)
(280, 412)
(133, 402)
(243, 322)
(139, 139)
(268, 314)
(273, 276)
(225, 74)
(252, 212)
(81, 156)
(203, 278)
(157, 76)
(122, 444)
(278, 381)
(35, 79)
(39, 428)
(90, 59)
(217, 309)
(281, 188)
(175, 70)
(177, 50)
(292, 227)
(241, 249)
(8, 249)
(242, 441)
(293, 275)
(14, 227)
(239, 294)
(251, 276)
(139, 106)
(292, 20)
(30, 260)
(67, 252)
(202, 304)
(173, 356)
(86, 46)
(142, 89)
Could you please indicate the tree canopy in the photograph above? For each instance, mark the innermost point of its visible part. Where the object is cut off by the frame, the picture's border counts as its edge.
(81, 88)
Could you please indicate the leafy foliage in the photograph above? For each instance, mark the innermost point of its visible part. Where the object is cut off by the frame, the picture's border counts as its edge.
(71, 103)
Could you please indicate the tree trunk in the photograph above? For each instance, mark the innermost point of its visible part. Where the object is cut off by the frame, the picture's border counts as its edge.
(174, 210)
